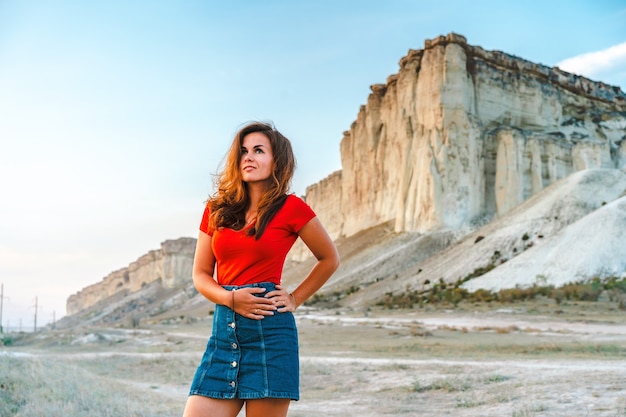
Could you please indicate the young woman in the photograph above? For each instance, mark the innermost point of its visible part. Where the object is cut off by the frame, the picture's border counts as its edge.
(248, 226)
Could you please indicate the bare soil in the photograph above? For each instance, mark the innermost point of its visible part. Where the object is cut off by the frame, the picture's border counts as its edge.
(534, 359)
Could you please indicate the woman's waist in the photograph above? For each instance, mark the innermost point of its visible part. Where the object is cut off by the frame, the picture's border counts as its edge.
(268, 285)
(249, 281)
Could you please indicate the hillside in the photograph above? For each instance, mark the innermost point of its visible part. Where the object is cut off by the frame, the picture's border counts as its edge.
(570, 231)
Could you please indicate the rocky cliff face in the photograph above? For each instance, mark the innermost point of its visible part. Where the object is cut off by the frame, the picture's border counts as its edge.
(171, 266)
(461, 134)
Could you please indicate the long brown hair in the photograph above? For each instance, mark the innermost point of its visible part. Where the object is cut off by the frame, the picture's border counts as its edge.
(231, 200)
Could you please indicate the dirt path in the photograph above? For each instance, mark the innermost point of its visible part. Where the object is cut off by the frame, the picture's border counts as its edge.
(463, 388)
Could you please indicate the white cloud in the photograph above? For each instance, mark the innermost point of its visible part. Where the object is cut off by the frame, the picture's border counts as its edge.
(593, 64)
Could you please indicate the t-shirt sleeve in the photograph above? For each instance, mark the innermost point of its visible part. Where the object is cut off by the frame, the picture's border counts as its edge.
(204, 224)
(300, 213)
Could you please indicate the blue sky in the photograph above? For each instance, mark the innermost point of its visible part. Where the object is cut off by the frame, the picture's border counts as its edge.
(114, 114)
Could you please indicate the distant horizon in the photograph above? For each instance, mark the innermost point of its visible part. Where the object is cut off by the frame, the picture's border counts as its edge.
(23, 329)
(116, 115)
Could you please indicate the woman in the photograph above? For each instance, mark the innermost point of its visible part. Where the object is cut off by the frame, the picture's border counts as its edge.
(248, 227)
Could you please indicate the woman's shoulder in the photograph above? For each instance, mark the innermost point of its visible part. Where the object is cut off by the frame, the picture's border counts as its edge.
(297, 207)
(293, 200)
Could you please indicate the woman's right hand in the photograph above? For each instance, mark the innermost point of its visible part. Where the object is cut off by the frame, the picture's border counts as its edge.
(247, 304)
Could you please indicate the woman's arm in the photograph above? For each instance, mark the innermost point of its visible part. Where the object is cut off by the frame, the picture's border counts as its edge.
(321, 245)
(203, 270)
(242, 301)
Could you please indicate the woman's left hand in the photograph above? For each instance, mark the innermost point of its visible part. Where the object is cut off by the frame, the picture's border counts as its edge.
(282, 299)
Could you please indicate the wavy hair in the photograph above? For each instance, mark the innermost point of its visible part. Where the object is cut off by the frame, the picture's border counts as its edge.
(231, 200)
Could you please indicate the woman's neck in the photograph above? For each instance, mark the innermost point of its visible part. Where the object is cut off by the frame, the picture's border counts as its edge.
(255, 192)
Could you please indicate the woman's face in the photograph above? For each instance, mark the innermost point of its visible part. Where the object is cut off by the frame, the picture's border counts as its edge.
(257, 161)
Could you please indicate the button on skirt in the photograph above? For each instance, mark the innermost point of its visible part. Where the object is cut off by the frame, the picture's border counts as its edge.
(249, 359)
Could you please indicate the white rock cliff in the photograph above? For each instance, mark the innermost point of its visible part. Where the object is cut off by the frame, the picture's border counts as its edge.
(171, 265)
(461, 134)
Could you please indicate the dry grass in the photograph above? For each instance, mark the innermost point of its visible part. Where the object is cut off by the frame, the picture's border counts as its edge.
(473, 361)
(52, 387)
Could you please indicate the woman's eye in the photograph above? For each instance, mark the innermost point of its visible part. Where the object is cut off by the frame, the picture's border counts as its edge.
(258, 150)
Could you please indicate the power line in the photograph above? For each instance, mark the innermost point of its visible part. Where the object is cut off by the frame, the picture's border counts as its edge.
(15, 311)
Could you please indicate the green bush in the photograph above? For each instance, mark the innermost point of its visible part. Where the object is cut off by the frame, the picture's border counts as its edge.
(6, 340)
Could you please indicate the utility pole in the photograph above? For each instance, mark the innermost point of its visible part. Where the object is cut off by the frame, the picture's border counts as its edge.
(1, 305)
(36, 308)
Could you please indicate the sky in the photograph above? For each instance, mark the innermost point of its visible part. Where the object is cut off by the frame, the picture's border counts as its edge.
(115, 115)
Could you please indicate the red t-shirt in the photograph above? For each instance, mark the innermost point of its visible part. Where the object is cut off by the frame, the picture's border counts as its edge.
(241, 259)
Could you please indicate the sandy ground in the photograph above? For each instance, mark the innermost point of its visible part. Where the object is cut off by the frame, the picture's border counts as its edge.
(499, 362)
(485, 364)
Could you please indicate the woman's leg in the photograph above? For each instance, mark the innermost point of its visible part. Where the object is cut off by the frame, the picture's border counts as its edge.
(199, 406)
(267, 407)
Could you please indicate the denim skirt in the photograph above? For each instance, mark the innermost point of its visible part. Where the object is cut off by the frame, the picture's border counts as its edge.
(249, 359)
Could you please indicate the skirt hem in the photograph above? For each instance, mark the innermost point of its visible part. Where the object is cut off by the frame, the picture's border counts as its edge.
(252, 396)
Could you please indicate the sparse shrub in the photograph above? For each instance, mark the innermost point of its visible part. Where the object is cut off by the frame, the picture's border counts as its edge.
(419, 332)
(353, 289)
(482, 295)
(496, 379)
(330, 301)
(589, 293)
(558, 295)
(578, 292)
(448, 294)
(479, 271)
(541, 280)
(615, 284)
(505, 296)
(453, 295)
(544, 290)
(447, 385)
(135, 321)
(6, 340)
(317, 297)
